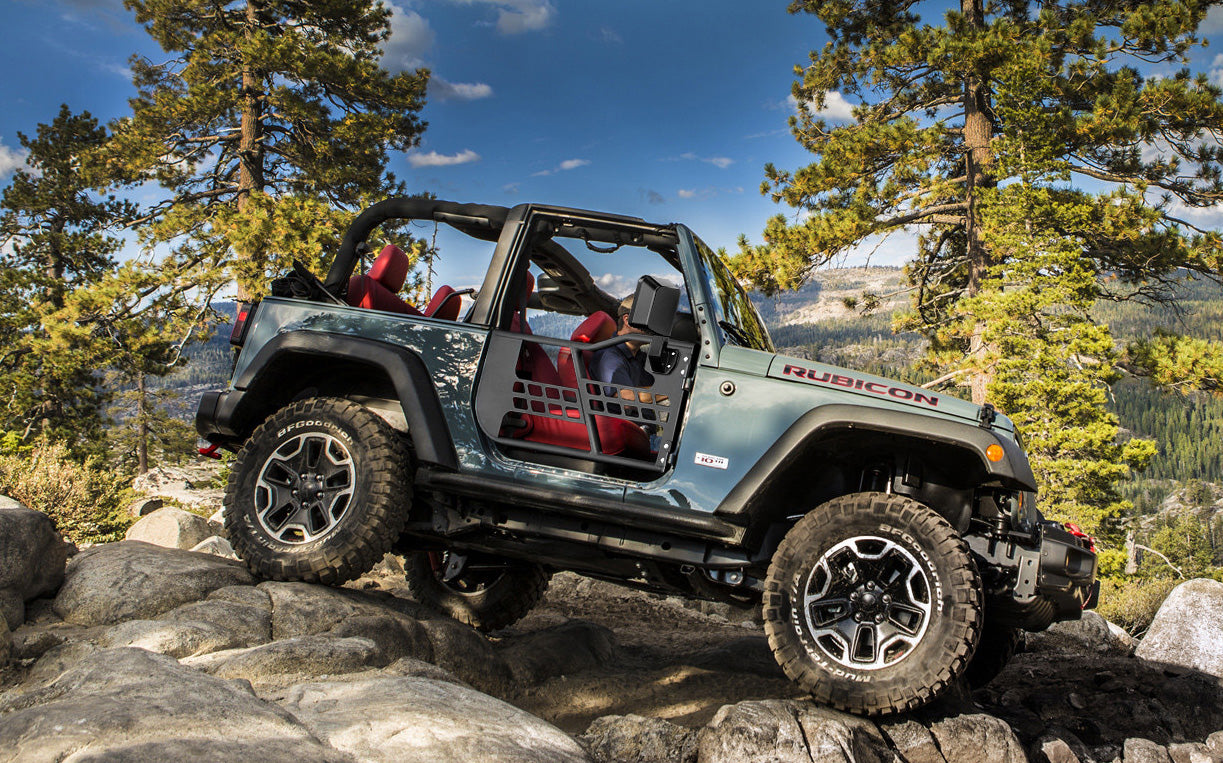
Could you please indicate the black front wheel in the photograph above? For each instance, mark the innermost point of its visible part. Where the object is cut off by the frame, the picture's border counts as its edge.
(319, 492)
(484, 592)
(873, 604)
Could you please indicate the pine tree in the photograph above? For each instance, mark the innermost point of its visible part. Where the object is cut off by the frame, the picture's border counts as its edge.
(1043, 172)
(271, 118)
(57, 237)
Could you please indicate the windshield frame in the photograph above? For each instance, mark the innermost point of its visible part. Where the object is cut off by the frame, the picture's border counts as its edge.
(731, 304)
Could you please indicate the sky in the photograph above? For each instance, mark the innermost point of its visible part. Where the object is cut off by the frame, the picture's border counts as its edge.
(663, 110)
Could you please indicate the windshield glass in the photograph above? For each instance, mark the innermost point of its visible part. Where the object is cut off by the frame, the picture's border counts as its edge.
(737, 316)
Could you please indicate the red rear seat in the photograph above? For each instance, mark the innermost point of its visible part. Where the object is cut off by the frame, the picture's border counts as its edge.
(377, 289)
(444, 305)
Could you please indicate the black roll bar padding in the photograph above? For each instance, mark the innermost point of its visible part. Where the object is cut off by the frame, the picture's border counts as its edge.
(405, 208)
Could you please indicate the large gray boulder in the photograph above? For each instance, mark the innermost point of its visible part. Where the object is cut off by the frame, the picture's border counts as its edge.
(1188, 628)
(300, 658)
(637, 739)
(217, 546)
(233, 617)
(303, 609)
(789, 730)
(418, 719)
(913, 741)
(971, 738)
(32, 559)
(564, 649)
(132, 705)
(114, 582)
(1090, 633)
(172, 528)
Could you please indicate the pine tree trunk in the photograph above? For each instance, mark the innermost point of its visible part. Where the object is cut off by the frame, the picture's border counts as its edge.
(250, 146)
(979, 162)
(55, 264)
(142, 427)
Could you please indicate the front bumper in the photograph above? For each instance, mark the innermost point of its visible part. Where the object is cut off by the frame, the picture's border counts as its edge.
(1051, 569)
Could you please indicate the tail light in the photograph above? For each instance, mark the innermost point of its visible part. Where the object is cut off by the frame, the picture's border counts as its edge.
(246, 315)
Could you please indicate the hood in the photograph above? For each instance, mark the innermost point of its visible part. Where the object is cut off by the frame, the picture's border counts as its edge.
(876, 388)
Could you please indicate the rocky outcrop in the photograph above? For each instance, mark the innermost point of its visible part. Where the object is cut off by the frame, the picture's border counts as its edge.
(217, 546)
(1188, 628)
(132, 580)
(157, 653)
(1091, 633)
(185, 485)
(32, 559)
(418, 719)
(130, 705)
(171, 527)
(142, 506)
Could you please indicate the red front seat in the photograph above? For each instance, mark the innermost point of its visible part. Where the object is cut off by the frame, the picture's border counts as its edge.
(617, 437)
(377, 289)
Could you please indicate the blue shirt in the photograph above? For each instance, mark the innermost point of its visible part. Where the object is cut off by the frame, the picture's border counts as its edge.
(621, 366)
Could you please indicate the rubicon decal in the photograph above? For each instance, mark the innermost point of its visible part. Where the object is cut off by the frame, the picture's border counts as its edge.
(829, 379)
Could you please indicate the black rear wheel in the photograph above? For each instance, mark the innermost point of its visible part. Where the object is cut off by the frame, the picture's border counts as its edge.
(484, 592)
(873, 604)
(999, 643)
(319, 492)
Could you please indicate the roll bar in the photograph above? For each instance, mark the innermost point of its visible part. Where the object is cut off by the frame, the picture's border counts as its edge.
(482, 221)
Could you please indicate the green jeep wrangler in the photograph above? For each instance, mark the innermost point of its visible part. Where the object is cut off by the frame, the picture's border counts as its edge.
(888, 533)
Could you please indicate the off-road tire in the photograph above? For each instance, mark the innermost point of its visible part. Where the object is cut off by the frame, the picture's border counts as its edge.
(376, 507)
(999, 643)
(499, 604)
(906, 534)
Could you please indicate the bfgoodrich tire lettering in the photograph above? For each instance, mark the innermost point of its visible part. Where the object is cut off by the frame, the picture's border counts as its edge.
(873, 604)
(319, 492)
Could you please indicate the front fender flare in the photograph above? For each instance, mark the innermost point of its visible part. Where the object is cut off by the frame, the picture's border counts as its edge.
(1013, 471)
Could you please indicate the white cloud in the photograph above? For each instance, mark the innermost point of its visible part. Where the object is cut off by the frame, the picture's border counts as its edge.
(518, 16)
(11, 160)
(411, 38)
(721, 162)
(459, 91)
(708, 192)
(615, 284)
(1213, 23)
(568, 164)
(610, 35)
(836, 108)
(1202, 217)
(434, 159)
(1216, 70)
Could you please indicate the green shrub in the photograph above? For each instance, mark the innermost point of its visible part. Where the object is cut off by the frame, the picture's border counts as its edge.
(85, 499)
(1110, 562)
(1132, 602)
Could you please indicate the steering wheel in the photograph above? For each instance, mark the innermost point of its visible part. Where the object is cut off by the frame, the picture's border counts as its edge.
(310, 278)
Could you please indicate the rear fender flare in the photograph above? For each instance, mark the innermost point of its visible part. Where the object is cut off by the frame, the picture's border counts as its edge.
(407, 372)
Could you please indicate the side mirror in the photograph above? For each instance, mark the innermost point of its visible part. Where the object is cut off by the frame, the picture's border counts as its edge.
(654, 306)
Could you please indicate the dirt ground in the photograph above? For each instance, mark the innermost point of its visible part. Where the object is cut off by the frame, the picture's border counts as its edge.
(672, 661)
